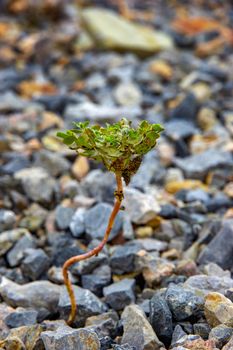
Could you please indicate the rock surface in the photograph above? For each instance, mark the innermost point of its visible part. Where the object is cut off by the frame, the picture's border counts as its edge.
(125, 36)
(40, 295)
(137, 330)
(87, 304)
(68, 338)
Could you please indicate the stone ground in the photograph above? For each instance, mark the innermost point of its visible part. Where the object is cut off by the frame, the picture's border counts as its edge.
(164, 281)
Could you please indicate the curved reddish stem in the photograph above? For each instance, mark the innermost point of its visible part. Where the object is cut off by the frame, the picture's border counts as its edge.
(95, 251)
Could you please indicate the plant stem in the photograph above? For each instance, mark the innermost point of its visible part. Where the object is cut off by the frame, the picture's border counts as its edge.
(95, 251)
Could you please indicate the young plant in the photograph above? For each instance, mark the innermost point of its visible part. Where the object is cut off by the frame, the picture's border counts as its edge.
(120, 148)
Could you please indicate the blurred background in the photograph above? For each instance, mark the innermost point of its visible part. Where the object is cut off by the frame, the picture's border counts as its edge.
(169, 62)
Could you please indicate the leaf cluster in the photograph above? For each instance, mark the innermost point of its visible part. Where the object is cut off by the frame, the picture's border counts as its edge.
(119, 146)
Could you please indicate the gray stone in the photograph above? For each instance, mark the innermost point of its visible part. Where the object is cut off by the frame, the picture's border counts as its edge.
(179, 129)
(95, 81)
(8, 239)
(197, 195)
(161, 318)
(150, 171)
(66, 338)
(202, 329)
(55, 275)
(52, 162)
(104, 324)
(202, 284)
(96, 221)
(123, 347)
(15, 164)
(35, 263)
(137, 330)
(152, 244)
(7, 219)
(229, 294)
(178, 333)
(37, 184)
(39, 295)
(99, 185)
(63, 216)
(77, 226)
(182, 302)
(221, 334)
(187, 109)
(99, 278)
(111, 31)
(10, 77)
(220, 249)
(87, 305)
(88, 265)
(120, 294)
(127, 228)
(71, 189)
(98, 113)
(123, 259)
(213, 269)
(197, 166)
(127, 94)
(63, 248)
(140, 207)
(11, 102)
(120, 74)
(21, 317)
(16, 254)
(34, 217)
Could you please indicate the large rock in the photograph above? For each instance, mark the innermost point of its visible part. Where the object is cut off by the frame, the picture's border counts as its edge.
(218, 310)
(21, 317)
(140, 207)
(111, 31)
(202, 284)
(220, 249)
(137, 330)
(120, 294)
(183, 303)
(68, 338)
(221, 334)
(37, 184)
(161, 318)
(36, 263)
(197, 166)
(87, 305)
(29, 336)
(96, 221)
(40, 295)
(105, 324)
(123, 259)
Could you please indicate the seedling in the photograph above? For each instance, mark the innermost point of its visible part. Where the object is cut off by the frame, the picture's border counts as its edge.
(120, 148)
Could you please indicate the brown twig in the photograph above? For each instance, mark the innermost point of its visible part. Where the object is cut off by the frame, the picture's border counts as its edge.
(95, 251)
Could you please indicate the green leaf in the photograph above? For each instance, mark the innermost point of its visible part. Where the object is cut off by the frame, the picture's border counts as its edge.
(116, 145)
